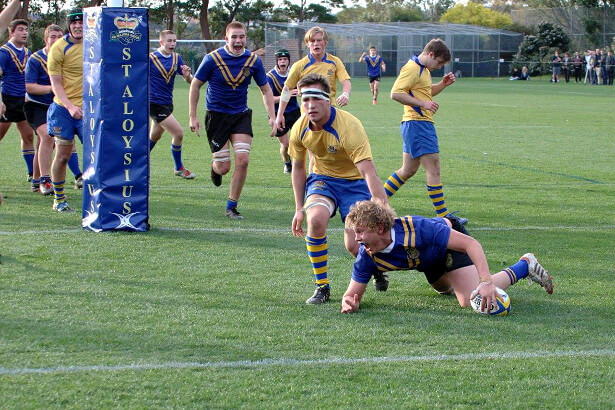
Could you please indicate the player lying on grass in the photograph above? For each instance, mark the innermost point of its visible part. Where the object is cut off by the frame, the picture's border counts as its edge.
(441, 248)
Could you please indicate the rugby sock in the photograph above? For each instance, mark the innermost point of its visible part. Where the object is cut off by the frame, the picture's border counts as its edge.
(393, 183)
(58, 191)
(517, 272)
(437, 199)
(318, 252)
(73, 164)
(45, 178)
(176, 151)
(28, 156)
(231, 203)
(152, 144)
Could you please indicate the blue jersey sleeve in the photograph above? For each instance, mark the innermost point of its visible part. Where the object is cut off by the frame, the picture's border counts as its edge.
(180, 63)
(4, 58)
(363, 267)
(260, 76)
(203, 73)
(33, 68)
(433, 232)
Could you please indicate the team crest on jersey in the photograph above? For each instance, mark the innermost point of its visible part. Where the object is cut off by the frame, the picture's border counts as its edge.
(412, 253)
(126, 30)
(332, 150)
(246, 71)
(330, 72)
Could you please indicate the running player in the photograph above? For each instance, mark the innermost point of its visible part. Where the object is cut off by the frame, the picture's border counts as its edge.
(165, 64)
(343, 174)
(375, 68)
(277, 77)
(228, 72)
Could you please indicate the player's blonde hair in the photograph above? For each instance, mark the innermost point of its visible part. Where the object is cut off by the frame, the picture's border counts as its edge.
(371, 214)
(314, 78)
(165, 33)
(50, 28)
(438, 47)
(309, 35)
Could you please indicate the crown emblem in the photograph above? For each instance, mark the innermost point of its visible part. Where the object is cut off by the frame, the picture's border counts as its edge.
(91, 21)
(126, 23)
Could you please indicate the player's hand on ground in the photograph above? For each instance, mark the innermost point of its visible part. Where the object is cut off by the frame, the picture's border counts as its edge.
(448, 79)
(195, 125)
(75, 112)
(488, 294)
(350, 304)
(431, 106)
(297, 226)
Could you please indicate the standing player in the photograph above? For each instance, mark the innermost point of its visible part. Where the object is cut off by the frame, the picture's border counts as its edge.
(65, 117)
(228, 72)
(39, 97)
(343, 174)
(441, 248)
(165, 64)
(414, 89)
(320, 62)
(13, 58)
(375, 68)
(276, 77)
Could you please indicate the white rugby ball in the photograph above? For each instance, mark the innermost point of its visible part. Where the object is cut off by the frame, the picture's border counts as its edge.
(500, 307)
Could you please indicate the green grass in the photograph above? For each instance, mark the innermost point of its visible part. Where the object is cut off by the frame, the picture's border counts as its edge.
(115, 319)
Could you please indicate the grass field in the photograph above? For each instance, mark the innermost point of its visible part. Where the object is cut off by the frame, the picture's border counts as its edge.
(206, 312)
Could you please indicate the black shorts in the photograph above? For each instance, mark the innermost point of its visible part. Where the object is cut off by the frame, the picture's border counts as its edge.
(289, 120)
(452, 260)
(372, 79)
(36, 113)
(14, 109)
(219, 127)
(159, 113)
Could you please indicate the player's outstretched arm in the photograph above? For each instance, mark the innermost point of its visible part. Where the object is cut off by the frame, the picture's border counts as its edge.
(362, 57)
(298, 176)
(448, 79)
(269, 106)
(6, 16)
(284, 99)
(344, 98)
(368, 171)
(352, 298)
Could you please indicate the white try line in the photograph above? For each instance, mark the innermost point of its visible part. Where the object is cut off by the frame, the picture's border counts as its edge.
(298, 362)
(282, 231)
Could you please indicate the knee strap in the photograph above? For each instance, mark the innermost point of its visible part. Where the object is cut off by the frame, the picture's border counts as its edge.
(326, 202)
(242, 148)
(224, 155)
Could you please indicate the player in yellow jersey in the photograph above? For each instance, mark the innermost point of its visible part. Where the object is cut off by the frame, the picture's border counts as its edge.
(343, 174)
(415, 90)
(317, 61)
(65, 117)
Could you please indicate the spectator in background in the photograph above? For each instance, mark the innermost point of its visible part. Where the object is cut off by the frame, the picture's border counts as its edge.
(577, 67)
(557, 67)
(515, 74)
(598, 66)
(566, 66)
(525, 74)
(610, 67)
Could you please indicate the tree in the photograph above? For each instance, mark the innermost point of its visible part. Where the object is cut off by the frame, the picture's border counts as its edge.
(476, 14)
(535, 51)
(382, 11)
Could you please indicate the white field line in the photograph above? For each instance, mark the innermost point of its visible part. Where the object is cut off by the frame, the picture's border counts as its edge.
(298, 362)
(278, 231)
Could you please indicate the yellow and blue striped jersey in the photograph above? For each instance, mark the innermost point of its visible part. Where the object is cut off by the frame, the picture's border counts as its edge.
(417, 243)
(66, 60)
(330, 67)
(414, 79)
(336, 148)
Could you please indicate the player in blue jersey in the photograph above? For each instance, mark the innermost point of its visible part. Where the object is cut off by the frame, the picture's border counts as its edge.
(39, 97)
(165, 64)
(375, 68)
(277, 77)
(228, 72)
(343, 174)
(6, 16)
(13, 57)
(453, 262)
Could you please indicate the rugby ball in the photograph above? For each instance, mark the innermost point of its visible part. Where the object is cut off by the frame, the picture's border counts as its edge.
(499, 308)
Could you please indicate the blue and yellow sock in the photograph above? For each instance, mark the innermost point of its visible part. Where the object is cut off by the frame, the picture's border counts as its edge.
(176, 151)
(58, 191)
(318, 252)
(393, 183)
(436, 194)
(231, 203)
(28, 156)
(517, 272)
(73, 165)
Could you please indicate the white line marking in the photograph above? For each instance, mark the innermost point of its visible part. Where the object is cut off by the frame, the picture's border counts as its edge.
(284, 230)
(297, 362)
